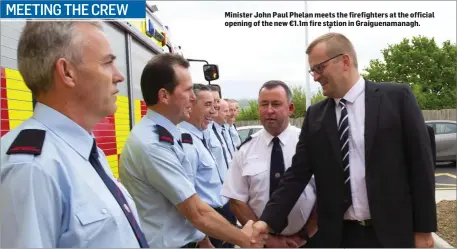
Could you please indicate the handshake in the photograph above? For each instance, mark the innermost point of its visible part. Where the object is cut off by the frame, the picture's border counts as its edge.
(258, 233)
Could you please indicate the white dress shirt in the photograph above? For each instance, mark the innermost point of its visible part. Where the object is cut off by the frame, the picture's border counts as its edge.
(355, 106)
(248, 179)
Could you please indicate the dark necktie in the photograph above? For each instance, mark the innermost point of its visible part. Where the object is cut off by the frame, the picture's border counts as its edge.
(116, 192)
(180, 143)
(225, 140)
(343, 131)
(276, 165)
(211, 154)
(222, 145)
(231, 139)
(205, 144)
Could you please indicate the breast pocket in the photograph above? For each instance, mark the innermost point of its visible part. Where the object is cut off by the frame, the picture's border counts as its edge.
(257, 173)
(207, 170)
(93, 221)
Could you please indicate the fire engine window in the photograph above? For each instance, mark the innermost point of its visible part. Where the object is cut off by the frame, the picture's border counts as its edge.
(118, 44)
(11, 30)
(140, 56)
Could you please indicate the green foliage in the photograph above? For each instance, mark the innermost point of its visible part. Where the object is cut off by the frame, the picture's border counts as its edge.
(298, 98)
(428, 69)
(249, 113)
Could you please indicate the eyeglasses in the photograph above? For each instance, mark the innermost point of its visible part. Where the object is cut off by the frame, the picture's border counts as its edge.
(319, 68)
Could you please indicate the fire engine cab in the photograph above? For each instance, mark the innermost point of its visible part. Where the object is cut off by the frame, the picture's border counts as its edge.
(134, 42)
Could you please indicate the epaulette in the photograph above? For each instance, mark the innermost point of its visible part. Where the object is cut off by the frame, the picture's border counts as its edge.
(28, 141)
(245, 141)
(165, 135)
(186, 138)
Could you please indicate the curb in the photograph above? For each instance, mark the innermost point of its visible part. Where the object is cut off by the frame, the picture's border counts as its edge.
(439, 242)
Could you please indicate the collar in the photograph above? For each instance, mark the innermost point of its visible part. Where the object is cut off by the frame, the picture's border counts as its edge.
(65, 128)
(283, 137)
(192, 129)
(354, 92)
(164, 122)
(218, 127)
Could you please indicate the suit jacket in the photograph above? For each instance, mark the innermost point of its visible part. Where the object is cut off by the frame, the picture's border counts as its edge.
(431, 133)
(398, 163)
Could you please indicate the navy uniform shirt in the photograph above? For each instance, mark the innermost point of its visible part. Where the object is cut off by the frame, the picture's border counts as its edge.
(56, 198)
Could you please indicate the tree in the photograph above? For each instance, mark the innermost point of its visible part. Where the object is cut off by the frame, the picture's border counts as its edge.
(429, 70)
(298, 98)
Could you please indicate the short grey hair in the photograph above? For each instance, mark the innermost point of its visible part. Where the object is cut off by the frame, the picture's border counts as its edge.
(277, 83)
(200, 87)
(41, 44)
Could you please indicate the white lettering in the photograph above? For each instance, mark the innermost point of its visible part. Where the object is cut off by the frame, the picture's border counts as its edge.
(95, 12)
(33, 9)
(11, 9)
(68, 5)
(123, 10)
(109, 9)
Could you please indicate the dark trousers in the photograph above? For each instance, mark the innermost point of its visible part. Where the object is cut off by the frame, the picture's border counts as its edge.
(226, 212)
(358, 236)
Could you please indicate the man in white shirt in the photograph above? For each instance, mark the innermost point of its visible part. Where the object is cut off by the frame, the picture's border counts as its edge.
(261, 161)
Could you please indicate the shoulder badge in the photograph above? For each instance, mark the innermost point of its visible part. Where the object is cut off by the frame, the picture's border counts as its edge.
(165, 135)
(28, 141)
(186, 138)
(245, 141)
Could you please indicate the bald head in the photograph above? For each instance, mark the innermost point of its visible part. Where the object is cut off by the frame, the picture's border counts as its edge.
(223, 113)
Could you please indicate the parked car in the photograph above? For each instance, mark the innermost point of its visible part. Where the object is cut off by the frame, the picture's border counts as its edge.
(445, 138)
(245, 131)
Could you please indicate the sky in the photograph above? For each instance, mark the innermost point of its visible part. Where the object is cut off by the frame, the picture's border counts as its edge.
(248, 57)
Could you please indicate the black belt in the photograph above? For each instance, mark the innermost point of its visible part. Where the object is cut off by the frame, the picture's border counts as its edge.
(364, 223)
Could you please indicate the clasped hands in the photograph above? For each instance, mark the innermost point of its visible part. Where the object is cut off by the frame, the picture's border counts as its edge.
(259, 237)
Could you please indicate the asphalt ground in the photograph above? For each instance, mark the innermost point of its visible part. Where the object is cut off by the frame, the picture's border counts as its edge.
(445, 177)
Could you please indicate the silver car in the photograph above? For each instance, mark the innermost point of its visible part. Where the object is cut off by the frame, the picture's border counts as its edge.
(245, 131)
(445, 138)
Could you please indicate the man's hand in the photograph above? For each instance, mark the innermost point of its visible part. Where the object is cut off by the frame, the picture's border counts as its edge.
(277, 242)
(259, 233)
(205, 243)
(295, 241)
(423, 240)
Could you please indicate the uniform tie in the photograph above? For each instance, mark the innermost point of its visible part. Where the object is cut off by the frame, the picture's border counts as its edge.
(276, 165)
(222, 145)
(225, 140)
(116, 192)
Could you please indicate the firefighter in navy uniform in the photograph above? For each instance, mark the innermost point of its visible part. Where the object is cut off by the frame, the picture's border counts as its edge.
(57, 188)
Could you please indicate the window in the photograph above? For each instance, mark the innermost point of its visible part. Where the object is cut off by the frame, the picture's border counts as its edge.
(445, 128)
(243, 134)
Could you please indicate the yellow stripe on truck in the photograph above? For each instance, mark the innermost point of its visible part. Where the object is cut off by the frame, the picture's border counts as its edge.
(121, 119)
(20, 102)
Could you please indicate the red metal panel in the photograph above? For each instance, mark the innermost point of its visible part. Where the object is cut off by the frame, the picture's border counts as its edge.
(105, 135)
(144, 108)
(4, 123)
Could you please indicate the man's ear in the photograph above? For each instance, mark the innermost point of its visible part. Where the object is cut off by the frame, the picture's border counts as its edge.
(66, 72)
(163, 96)
(291, 108)
(346, 62)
